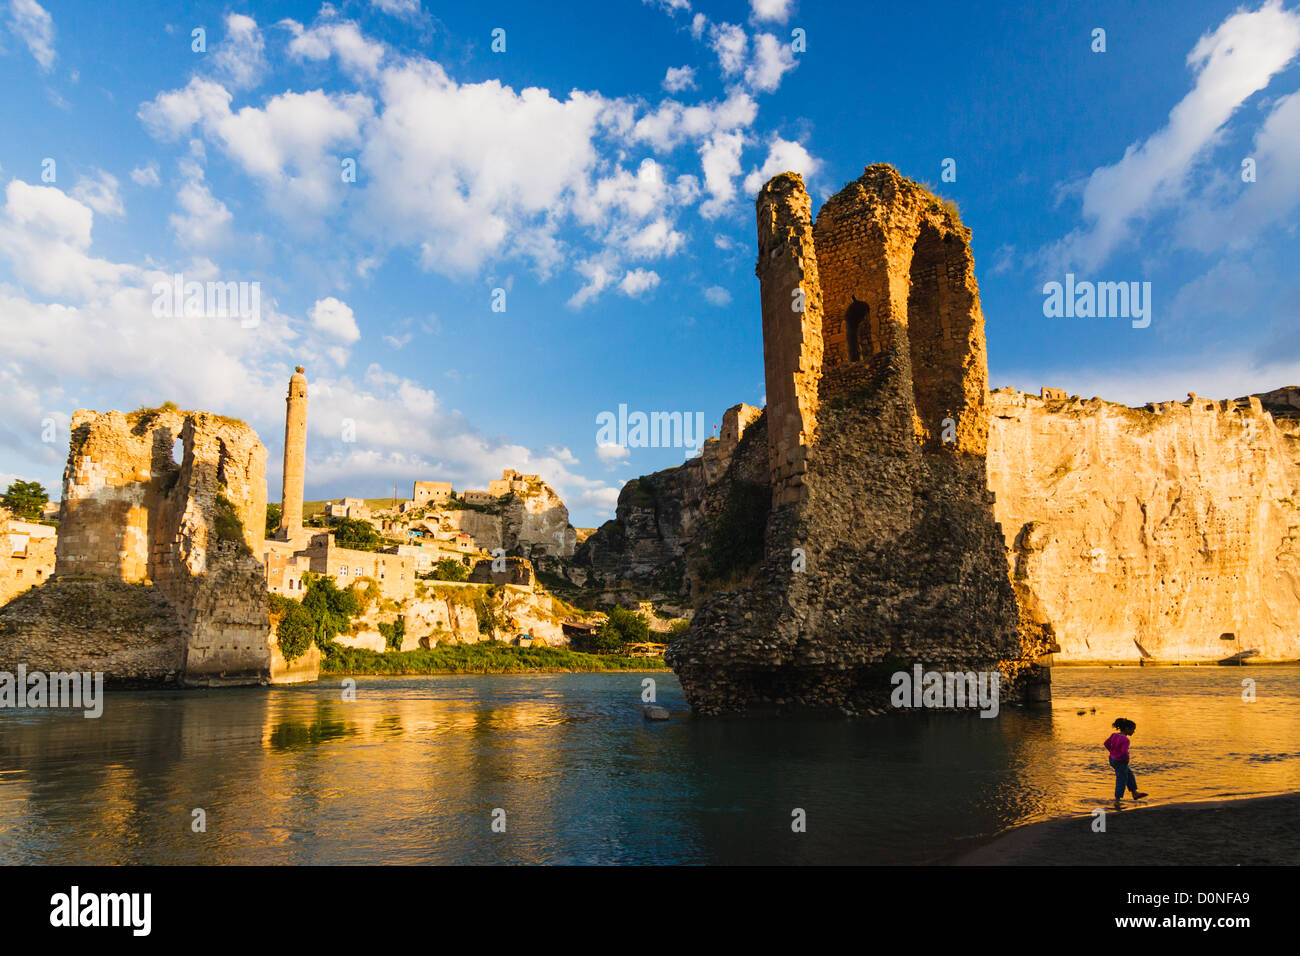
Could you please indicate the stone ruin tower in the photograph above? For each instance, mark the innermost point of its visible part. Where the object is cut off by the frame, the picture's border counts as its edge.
(295, 457)
(881, 549)
(156, 578)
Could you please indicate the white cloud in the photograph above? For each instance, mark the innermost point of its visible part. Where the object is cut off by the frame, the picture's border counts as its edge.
(335, 319)
(469, 168)
(100, 193)
(467, 173)
(1236, 60)
(146, 175)
(731, 45)
(775, 11)
(33, 24)
(638, 281)
(717, 295)
(599, 275)
(45, 234)
(406, 9)
(782, 156)
(609, 451)
(203, 221)
(292, 145)
(1272, 199)
(773, 58)
(679, 78)
(342, 39)
(601, 499)
(673, 123)
(240, 59)
(720, 157)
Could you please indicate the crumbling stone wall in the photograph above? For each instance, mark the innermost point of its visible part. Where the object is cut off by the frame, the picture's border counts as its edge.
(881, 548)
(181, 532)
(791, 296)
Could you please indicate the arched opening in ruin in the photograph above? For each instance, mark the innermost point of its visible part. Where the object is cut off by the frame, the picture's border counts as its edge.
(855, 323)
(178, 451)
(940, 310)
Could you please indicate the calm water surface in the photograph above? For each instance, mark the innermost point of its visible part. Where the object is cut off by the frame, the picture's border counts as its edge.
(412, 771)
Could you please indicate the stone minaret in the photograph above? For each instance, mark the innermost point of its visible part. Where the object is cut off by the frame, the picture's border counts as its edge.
(295, 454)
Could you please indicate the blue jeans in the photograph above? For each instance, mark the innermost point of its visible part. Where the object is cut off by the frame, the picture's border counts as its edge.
(1123, 778)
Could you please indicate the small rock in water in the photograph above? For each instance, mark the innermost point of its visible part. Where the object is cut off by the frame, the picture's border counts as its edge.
(655, 712)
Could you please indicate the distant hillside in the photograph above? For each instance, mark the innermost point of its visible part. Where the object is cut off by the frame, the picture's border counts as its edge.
(310, 508)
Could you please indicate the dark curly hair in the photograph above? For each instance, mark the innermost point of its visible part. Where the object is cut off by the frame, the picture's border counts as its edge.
(1124, 726)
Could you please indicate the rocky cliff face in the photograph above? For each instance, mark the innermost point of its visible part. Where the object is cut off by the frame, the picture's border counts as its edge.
(1170, 533)
(536, 524)
(448, 614)
(650, 550)
(533, 525)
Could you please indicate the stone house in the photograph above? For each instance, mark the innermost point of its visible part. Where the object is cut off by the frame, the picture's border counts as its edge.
(349, 508)
(394, 573)
(430, 493)
(26, 555)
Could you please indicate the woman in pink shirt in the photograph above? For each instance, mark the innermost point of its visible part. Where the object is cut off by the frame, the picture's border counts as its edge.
(1117, 746)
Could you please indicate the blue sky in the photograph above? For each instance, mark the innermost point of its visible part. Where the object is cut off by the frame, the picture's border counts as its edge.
(601, 171)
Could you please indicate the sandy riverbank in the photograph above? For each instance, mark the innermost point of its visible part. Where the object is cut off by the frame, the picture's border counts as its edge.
(1248, 832)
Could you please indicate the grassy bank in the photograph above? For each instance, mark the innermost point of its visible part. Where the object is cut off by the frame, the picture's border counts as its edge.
(488, 657)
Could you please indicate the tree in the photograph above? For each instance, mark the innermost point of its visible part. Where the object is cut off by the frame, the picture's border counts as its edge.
(331, 608)
(273, 513)
(622, 627)
(25, 499)
(356, 534)
(394, 633)
(295, 629)
(449, 569)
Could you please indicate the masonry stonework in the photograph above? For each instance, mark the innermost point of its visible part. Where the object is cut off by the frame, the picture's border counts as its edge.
(881, 548)
(163, 547)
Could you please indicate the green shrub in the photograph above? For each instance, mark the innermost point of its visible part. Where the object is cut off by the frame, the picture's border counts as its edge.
(331, 609)
(356, 534)
(449, 569)
(621, 628)
(394, 633)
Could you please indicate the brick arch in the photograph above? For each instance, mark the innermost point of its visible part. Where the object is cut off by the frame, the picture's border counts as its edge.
(941, 312)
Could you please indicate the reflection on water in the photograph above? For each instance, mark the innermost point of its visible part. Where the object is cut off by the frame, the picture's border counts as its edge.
(411, 771)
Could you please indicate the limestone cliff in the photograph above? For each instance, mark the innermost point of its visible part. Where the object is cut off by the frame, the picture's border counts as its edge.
(1170, 533)
(533, 524)
(649, 551)
(447, 613)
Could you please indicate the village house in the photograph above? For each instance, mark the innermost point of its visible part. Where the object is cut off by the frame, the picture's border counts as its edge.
(348, 508)
(26, 555)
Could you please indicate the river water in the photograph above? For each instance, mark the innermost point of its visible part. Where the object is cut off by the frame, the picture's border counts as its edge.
(413, 770)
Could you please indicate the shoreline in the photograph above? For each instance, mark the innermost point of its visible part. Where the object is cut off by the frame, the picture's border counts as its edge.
(1234, 831)
(492, 673)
